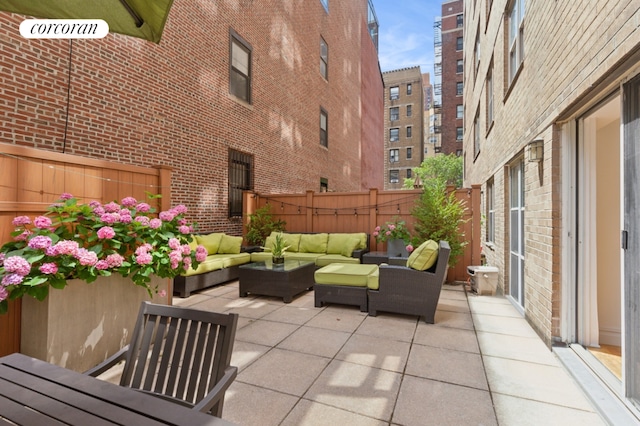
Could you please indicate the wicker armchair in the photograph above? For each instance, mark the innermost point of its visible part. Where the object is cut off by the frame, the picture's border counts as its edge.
(407, 291)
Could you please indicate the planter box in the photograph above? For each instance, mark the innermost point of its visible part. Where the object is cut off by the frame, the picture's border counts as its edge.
(83, 324)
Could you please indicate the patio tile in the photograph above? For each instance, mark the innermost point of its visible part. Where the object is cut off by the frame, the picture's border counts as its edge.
(214, 304)
(453, 319)
(389, 326)
(500, 309)
(338, 319)
(315, 341)
(292, 314)
(263, 332)
(524, 412)
(529, 349)
(305, 300)
(423, 401)
(255, 308)
(249, 405)
(446, 338)
(284, 371)
(504, 325)
(453, 293)
(453, 305)
(245, 353)
(309, 413)
(446, 365)
(189, 301)
(356, 388)
(536, 382)
(228, 291)
(375, 352)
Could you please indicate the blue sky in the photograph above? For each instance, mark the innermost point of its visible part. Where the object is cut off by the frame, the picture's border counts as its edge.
(406, 33)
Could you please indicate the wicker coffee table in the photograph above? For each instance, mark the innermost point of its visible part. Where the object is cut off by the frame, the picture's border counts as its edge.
(281, 280)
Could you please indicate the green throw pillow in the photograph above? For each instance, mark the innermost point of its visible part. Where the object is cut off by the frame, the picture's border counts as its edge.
(211, 242)
(291, 240)
(337, 242)
(313, 243)
(230, 245)
(268, 243)
(424, 257)
(349, 246)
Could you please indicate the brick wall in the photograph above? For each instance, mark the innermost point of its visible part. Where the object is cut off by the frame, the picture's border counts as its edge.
(135, 102)
(450, 76)
(562, 65)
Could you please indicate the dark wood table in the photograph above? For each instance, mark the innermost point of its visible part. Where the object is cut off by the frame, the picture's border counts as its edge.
(277, 280)
(33, 392)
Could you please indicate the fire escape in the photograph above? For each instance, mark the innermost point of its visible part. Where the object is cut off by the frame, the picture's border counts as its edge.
(435, 127)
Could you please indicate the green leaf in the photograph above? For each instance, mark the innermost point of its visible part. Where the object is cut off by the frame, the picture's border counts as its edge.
(34, 281)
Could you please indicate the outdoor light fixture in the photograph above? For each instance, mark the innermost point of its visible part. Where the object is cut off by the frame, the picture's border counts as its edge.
(536, 150)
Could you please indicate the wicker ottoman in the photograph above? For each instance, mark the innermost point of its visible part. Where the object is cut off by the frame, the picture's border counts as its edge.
(345, 284)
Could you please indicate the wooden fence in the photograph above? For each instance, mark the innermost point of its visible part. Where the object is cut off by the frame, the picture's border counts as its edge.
(363, 211)
(30, 180)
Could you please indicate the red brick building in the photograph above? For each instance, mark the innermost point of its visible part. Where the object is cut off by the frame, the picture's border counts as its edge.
(452, 77)
(304, 111)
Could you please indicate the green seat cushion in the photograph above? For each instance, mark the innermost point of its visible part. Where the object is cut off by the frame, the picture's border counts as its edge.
(309, 257)
(313, 243)
(210, 241)
(211, 263)
(261, 256)
(354, 275)
(424, 257)
(230, 245)
(338, 241)
(230, 260)
(327, 259)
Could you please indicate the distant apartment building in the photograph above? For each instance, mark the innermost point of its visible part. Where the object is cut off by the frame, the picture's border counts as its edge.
(552, 136)
(403, 122)
(429, 134)
(275, 97)
(452, 68)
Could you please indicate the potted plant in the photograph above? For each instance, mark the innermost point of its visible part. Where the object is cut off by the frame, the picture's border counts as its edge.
(278, 248)
(261, 225)
(86, 241)
(396, 235)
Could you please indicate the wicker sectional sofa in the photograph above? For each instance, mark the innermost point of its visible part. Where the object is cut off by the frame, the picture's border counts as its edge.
(321, 248)
(225, 255)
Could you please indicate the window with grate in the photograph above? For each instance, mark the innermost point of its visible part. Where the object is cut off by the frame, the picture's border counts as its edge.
(459, 21)
(459, 88)
(324, 59)
(324, 128)
(240, 179)
(459, 43)
(394, 176)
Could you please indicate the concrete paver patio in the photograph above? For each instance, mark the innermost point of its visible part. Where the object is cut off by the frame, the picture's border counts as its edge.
(479, 364)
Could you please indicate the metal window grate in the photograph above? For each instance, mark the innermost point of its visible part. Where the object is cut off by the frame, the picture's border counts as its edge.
(240, 179)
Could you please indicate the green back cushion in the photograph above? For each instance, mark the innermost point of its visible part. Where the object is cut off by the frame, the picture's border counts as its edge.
(313, 243)
(291, 240)
(338, 241)
(269, 242)
(230, 245)
(210, 241)
(350, 245)
(193, 244)
(424, 257)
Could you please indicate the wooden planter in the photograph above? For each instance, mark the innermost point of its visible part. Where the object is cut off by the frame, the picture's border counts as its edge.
(80, 326)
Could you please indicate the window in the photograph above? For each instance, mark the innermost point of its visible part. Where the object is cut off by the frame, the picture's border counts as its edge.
(459, 66)
(459, 21)
(394, 113)
(459, 133)
(476, 134)
(516, 38)
(489, 84)
(325, 3)
(409, 131)
(324, 58)
(409, 174)
(324, 128)
(324, 184)
(240, 68)
(240, 179)
(394, 176)
(459, 88)
(394, 135)
(409, 89)
(394, 93)
(476, 51)
(394, 155)
(409, 110)
(491, 224)
(459, 111)
(459, 43)
(409, 153)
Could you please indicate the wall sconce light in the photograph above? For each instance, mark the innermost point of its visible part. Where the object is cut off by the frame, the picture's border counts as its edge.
(536, 150)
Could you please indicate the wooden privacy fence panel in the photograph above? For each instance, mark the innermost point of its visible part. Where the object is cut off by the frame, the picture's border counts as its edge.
(363, 211)
(31, 179)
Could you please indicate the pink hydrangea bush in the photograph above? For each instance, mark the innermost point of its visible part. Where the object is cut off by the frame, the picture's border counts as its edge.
(85, 241)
